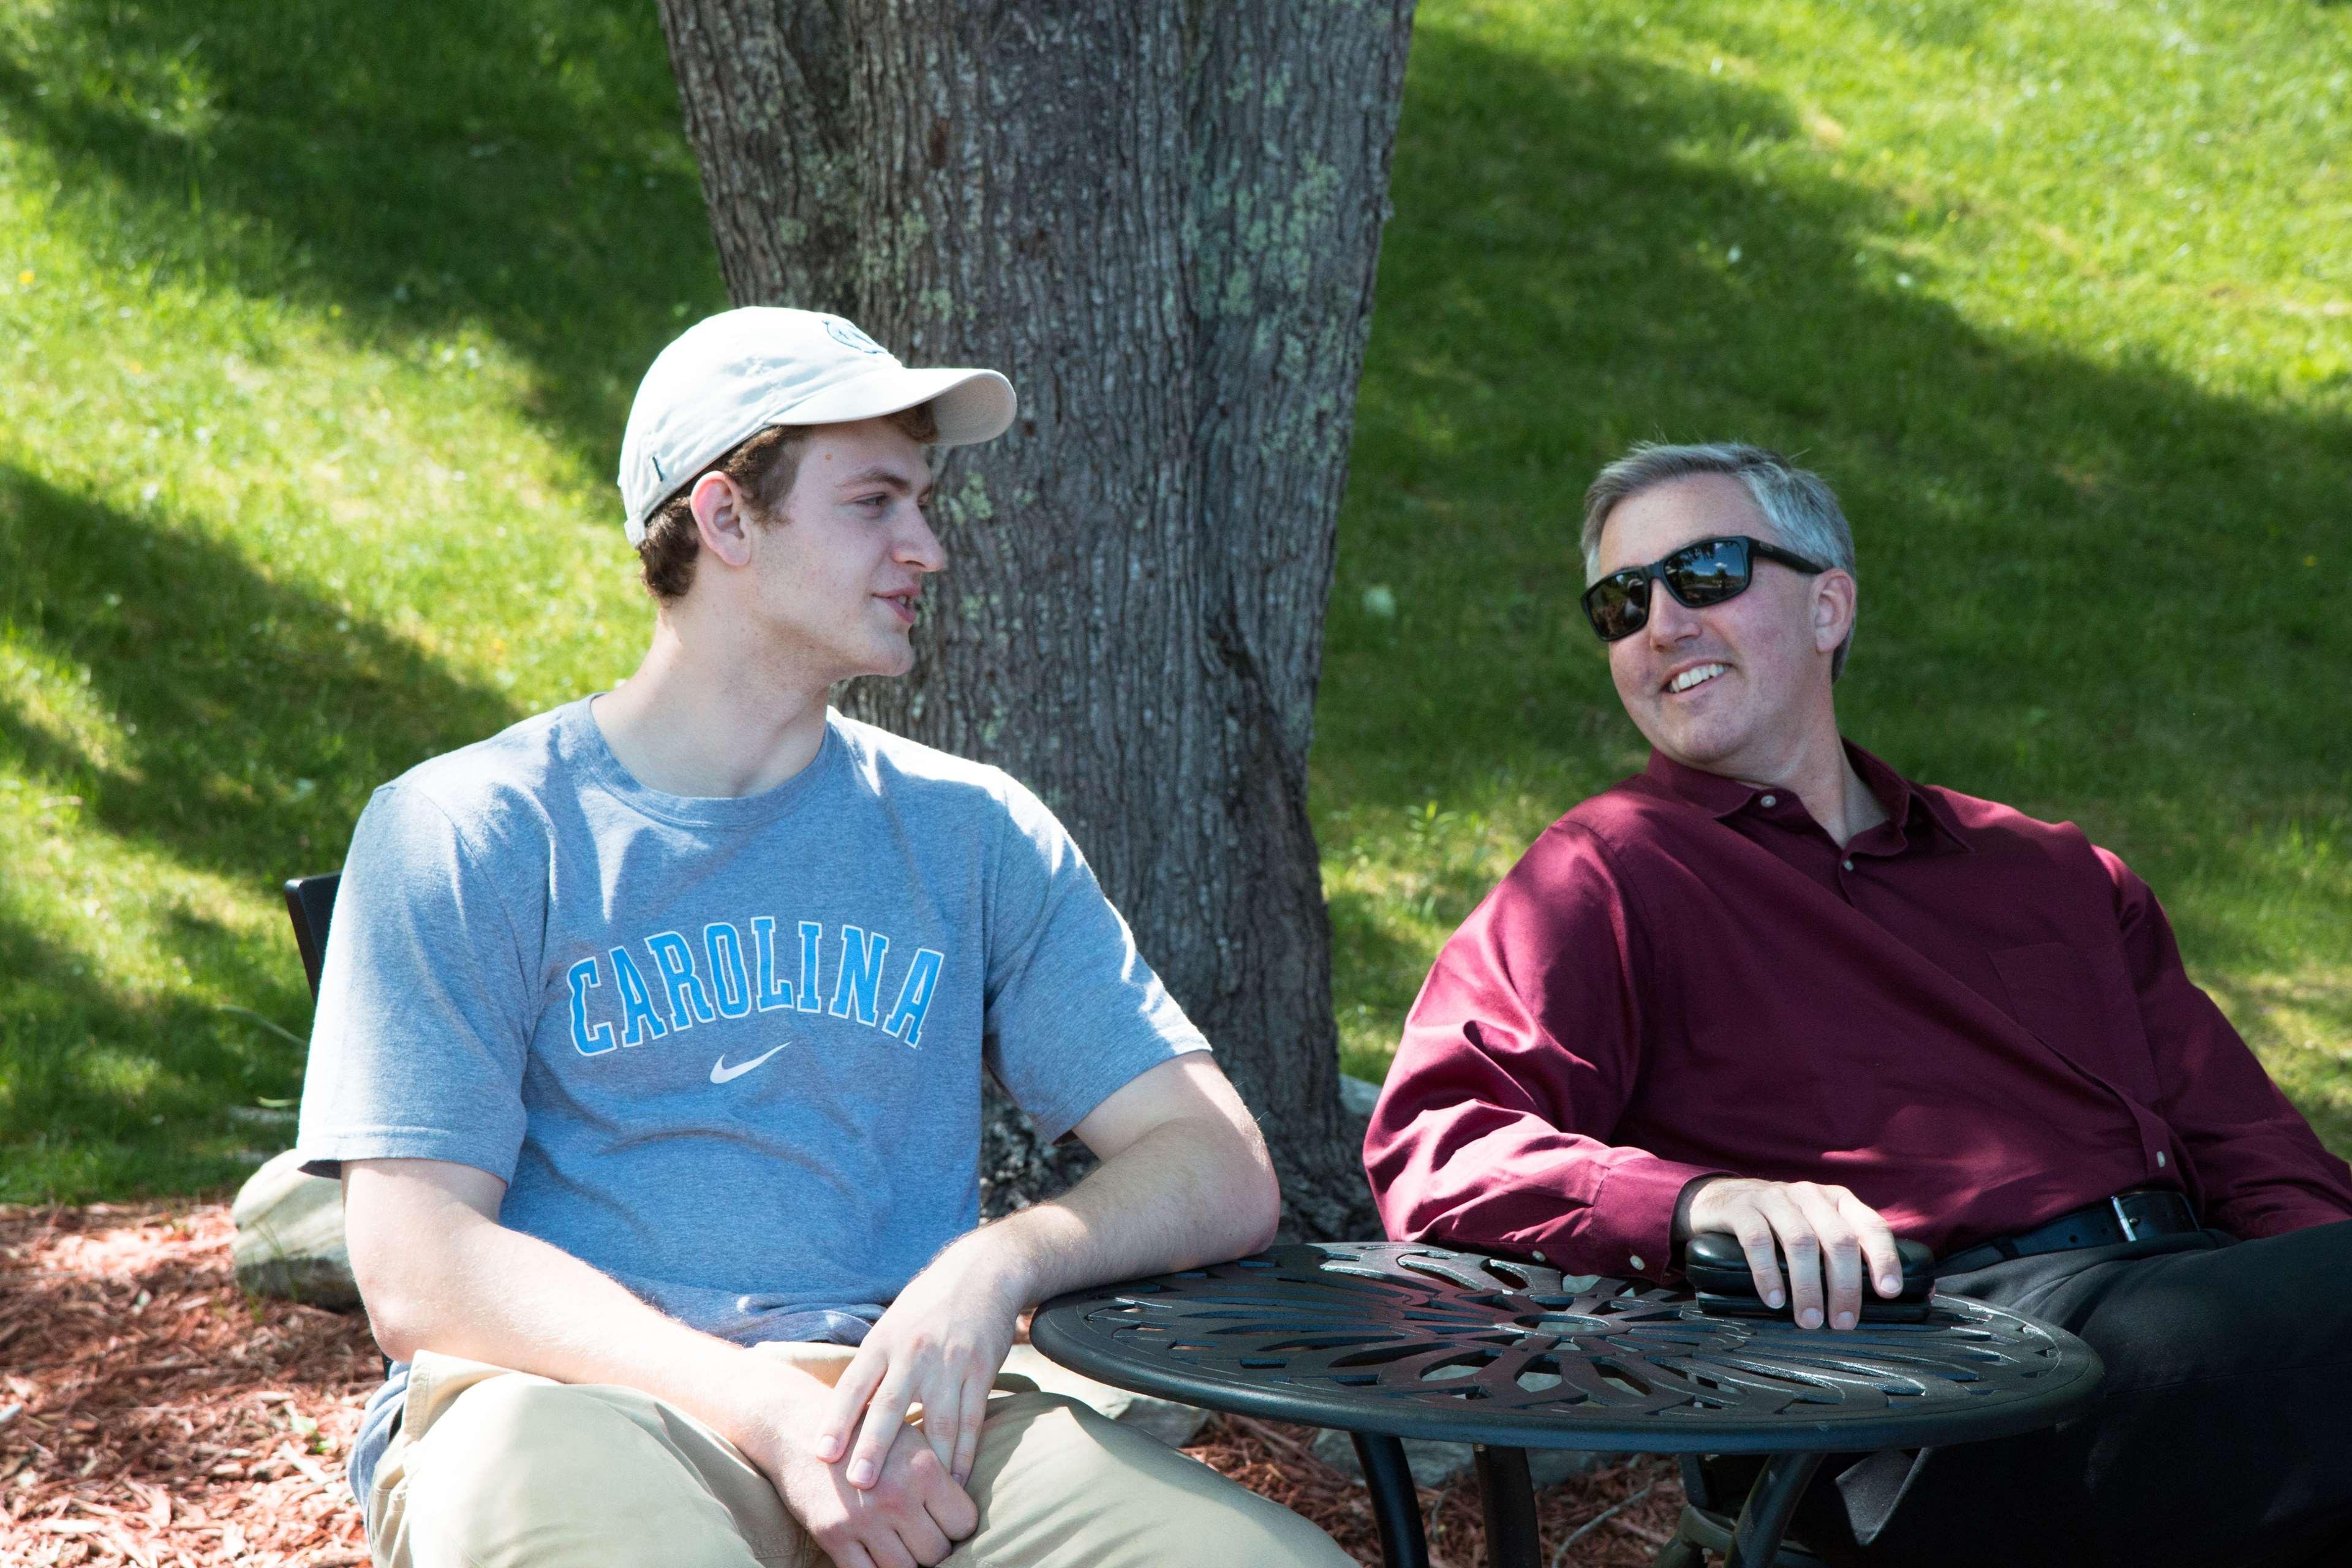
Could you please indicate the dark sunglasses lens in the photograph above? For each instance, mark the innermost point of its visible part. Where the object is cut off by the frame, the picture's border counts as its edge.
(1706, 573)
(1619, 606)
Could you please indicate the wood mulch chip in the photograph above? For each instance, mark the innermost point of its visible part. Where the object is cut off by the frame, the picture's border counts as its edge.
(160, 1416)
(152, 1413)
(1615, 1517)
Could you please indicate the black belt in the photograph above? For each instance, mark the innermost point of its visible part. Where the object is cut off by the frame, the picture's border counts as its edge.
(2127, 1216)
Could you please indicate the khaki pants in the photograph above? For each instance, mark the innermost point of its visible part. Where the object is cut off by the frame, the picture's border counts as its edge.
(495, 1469)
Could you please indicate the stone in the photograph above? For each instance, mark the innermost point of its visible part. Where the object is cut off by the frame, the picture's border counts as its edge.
(1172, 1423)
(1358, 1095)
(1435, 1464)
(289, 1238)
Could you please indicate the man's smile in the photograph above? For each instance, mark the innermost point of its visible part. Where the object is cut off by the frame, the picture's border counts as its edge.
(1696, 676)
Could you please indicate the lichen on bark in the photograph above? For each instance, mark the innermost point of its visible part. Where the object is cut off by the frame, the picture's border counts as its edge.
(1163, 222)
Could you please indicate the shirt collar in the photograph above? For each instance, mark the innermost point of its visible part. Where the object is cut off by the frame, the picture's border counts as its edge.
(1918, 815)
(1715, 793)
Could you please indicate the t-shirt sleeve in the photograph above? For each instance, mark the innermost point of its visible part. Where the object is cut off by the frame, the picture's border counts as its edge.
(421, 1033)
(1074, 1012)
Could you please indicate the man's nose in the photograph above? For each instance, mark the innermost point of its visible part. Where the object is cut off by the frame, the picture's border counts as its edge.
(919, 548)
(1671, 621)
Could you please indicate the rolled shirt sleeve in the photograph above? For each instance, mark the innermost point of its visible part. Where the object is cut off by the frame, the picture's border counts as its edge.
(1493, 1126)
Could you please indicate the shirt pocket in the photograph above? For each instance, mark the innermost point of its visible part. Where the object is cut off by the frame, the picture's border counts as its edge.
(2080, 1003)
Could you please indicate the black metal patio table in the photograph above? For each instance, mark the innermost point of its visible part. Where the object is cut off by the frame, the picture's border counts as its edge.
(1392, 1340)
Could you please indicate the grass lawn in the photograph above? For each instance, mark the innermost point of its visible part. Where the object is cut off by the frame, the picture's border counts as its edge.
(318, 327)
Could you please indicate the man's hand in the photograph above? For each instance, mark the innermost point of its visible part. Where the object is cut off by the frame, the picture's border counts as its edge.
(1822, 1230)
(939, 1345)
(1184, 1180)
(912, 1513)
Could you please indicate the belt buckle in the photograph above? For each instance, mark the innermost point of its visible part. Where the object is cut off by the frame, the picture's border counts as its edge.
(2131, 1231)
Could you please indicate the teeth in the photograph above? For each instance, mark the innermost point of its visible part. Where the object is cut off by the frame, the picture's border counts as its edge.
(1690, 678)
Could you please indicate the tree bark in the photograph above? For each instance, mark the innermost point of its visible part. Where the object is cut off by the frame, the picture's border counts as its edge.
(1162, 222)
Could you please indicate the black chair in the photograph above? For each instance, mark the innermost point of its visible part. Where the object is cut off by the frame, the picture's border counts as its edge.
(311, 904)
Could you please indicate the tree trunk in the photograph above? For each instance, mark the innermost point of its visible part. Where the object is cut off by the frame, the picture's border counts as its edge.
(1162, 222)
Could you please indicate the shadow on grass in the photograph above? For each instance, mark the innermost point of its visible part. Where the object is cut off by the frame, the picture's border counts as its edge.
(255, 717)
(2302, 1028)
(1386, 969)
(517, 165)
(245, 725)
(2058, 554)
(517, 168)
(89, 1074)
(2084, 585)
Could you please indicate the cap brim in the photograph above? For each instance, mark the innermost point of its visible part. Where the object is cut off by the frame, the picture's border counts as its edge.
(970, 406)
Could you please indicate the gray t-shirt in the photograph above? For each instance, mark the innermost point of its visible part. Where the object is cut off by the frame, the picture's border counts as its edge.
(728, 1051)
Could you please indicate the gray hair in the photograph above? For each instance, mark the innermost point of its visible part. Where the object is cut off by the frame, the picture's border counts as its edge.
(1803, 510)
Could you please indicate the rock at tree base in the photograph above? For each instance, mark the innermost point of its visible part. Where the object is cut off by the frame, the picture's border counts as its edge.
(1435, 1464)
(289, 1238)
(1173, 1424)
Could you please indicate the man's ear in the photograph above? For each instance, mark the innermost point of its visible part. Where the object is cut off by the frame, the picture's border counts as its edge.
(722, 517)
(1834, 609)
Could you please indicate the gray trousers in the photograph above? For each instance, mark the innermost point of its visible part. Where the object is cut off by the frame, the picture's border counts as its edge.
(2222, 1435)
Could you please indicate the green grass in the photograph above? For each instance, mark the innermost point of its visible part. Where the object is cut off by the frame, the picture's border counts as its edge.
(2059, 297)
(317, 329)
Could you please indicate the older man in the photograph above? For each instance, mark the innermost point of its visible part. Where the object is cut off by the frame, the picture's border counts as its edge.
(1769, 987)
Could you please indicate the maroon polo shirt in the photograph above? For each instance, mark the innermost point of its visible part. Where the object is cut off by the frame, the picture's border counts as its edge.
(1974, 1020)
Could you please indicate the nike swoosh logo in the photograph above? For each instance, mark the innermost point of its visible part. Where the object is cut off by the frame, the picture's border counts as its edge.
(721, 1073)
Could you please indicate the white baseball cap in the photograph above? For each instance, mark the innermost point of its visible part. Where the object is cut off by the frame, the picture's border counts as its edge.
(733, 374)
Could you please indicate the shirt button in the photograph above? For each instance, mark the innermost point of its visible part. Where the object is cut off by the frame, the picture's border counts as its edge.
(1537, 1256)
(1847, 864)
(1769, 800)
(1637, 1264)
(2159, 1159)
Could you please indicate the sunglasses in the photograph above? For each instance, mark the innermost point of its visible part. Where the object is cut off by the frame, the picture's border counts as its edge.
(1706, 573)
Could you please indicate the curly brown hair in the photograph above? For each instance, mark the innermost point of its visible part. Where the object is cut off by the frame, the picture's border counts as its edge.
(763, 468)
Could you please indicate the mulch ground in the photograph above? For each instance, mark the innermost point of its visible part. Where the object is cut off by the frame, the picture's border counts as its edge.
(152, 1413)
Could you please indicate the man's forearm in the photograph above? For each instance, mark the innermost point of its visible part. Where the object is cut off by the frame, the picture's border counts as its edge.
(1184, 1180)
(1187, 1192)
(437, 1275)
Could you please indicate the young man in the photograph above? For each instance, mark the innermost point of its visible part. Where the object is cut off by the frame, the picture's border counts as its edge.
(1769, 987)
(649, 1050)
